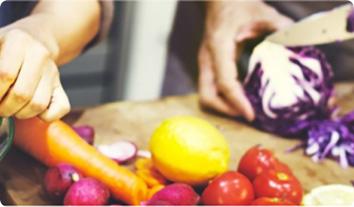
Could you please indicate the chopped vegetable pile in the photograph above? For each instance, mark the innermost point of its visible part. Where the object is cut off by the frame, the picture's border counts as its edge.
(332, 138)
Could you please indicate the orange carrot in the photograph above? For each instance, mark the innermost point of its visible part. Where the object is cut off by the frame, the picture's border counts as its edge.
(146, 171)
(56, 142)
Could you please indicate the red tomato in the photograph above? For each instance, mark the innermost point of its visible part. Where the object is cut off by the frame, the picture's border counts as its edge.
(278, 184)
(255, 161)
(282, 167)
(230, 188)
(266, 201)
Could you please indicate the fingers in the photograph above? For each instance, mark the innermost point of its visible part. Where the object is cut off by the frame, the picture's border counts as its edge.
(277, 20)
(27, 81)
(207, 89)
(42, 95)
(254, 30)
(226, 78)
(13, 48)
(332, 102)
(268, 20)
(283, 22)
(59, 105)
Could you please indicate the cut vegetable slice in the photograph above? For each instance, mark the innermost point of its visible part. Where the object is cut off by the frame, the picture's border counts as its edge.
(121, 151)
(335, 194)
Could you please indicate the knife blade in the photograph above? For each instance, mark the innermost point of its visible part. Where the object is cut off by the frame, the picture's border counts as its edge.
(320, 28)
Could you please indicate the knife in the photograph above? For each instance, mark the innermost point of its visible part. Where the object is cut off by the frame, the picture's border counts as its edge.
(320, 28)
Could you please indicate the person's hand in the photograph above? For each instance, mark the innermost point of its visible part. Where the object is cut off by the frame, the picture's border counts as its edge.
(29, 78)
(228, 25)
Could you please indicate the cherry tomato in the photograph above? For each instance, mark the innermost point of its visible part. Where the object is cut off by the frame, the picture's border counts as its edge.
(266, 201)
(282, 167)
(278, 184)
(230, 188)
(255, 161)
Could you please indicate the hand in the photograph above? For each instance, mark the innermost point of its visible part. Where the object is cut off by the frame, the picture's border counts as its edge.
(29, 78)
(54, 33)
(228, 25)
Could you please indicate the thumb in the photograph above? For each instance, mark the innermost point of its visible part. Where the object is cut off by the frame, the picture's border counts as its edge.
(274, 21)
(281, 21)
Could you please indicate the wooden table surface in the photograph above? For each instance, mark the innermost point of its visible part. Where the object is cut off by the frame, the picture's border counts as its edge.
(21, 176)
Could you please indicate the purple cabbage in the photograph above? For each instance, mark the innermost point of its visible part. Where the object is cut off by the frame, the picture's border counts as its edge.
(332, 138)
(290, 90)
(294, 119)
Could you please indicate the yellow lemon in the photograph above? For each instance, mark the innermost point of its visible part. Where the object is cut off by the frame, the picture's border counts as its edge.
(330, 195)
(189, 149)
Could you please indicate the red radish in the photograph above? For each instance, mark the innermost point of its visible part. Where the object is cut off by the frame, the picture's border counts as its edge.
(85, 132)
(58, 179)
(121, 151)
(175, 194)
(87, 191)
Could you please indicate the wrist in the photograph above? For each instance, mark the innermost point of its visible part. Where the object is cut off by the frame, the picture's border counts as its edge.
(38, 27)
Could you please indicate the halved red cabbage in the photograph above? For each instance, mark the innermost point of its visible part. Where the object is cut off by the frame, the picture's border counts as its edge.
(332, 138)
(287, 99)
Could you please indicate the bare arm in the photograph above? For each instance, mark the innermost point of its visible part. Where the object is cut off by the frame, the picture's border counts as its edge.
(31, 49)
(64, 27)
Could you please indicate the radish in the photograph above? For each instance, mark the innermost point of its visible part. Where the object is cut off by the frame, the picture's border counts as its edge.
(85, 132)
(121, 151)
(87, 191)
(58, 179)
(174, 194)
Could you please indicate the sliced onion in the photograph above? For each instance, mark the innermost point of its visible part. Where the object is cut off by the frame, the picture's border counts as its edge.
(121, 151)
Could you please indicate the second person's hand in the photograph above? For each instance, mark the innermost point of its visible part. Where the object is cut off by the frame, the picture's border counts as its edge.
(228, 25)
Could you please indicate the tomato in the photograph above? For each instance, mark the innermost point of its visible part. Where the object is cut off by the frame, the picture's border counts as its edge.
(255, 161)
(230, 188)
(282, 167)
(266, 201)
(278, 184)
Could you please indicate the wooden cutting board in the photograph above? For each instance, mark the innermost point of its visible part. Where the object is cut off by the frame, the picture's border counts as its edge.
(21, 176)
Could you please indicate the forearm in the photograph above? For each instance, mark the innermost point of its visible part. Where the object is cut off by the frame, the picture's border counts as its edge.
(64, 27)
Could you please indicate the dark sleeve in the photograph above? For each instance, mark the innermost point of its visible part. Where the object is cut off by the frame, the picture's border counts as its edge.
(11, 11)
(107, 11)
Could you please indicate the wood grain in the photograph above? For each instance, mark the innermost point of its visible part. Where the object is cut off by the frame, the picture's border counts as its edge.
(21, 176)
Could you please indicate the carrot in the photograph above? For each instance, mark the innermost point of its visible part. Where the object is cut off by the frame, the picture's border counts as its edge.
(56, 142)
(146, 171)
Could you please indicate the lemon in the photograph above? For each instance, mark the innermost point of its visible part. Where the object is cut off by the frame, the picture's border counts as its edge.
(190, 150)
(334, 194)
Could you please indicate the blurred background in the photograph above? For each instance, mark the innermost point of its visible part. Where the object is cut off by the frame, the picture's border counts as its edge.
(130, 63)
(151, 51)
